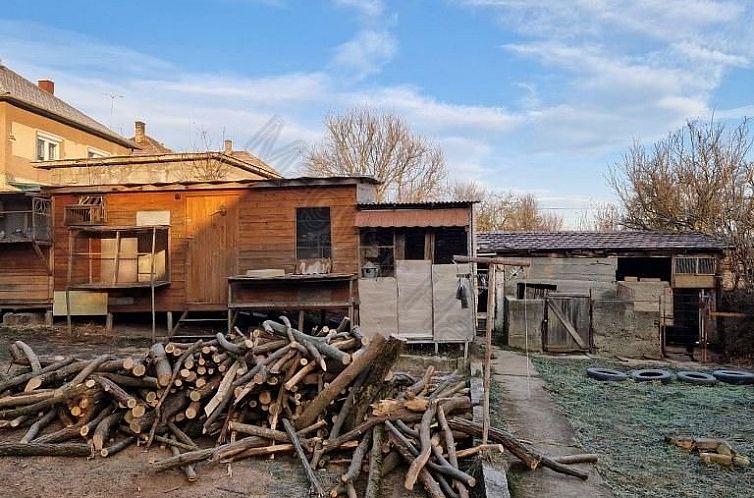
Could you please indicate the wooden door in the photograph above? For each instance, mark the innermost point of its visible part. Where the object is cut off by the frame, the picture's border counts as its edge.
(212, 232)
(567, 324)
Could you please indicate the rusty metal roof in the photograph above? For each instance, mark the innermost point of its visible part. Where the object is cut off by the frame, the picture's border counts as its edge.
(622, 240)
(438, 217)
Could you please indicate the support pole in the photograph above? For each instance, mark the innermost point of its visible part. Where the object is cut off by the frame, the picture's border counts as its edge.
(488, 349)
(71, 245)
(151, 283)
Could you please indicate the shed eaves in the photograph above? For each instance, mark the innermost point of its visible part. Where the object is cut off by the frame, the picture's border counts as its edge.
(518, 242)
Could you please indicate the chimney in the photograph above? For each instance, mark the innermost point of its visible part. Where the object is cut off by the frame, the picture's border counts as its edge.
(140, 131)
(228, 147)
(47, 86)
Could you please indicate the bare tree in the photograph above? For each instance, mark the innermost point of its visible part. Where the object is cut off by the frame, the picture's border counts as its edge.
(601, 217)
(504, 210)
(700, 178)
(205, 167)
(361, 142)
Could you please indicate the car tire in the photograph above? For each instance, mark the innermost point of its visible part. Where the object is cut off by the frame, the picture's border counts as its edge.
(650, 374)
(738, 377)
(698, 378)
(606, 374)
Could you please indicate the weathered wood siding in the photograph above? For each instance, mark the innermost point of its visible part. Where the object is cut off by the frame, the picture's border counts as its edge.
(256, 231)
(267, 226)
(24, 280)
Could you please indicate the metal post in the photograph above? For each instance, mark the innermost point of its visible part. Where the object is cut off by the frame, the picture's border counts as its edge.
(151, 284)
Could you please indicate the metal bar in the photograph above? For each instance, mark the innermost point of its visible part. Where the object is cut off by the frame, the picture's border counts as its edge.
(151, 284)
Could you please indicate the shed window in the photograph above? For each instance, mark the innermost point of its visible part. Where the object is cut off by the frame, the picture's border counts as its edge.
(695, 265)
(313, 233)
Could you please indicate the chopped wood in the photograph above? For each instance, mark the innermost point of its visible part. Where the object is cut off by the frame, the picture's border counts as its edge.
(426, 447)
(315, 488)
(36, 367)
(375, 464)
(44, 449)
(573, 459)
(479, 449)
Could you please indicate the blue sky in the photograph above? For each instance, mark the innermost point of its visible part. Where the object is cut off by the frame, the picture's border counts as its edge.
(532, 96)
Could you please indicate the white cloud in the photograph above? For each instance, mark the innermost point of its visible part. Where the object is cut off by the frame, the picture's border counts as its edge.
(365, 54)
(367, 8)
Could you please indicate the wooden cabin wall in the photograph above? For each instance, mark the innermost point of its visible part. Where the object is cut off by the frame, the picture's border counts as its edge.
(259, 231)
(267, 226)
(24, 279)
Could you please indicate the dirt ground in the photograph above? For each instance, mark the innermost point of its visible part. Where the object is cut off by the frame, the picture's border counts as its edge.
(129, 474)
(530, 413)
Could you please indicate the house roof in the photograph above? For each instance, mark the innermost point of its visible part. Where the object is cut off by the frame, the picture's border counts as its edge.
(252, 159)
(539, 242)
(149, 146)
(23, 93)
(113, 161)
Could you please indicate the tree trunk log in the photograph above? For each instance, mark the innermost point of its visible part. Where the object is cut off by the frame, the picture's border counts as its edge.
(426, 447)
(528, 456)
(40, 449)
(372, 354)
(36, 367)
(37, 426)
(430, 485)
(450, 446)
(375, 463)
(117, 447)
(315, 488)
(325, 349)
(354, 469)
(161, 364)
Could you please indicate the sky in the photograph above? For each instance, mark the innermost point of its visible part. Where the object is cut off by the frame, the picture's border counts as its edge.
(529, 96)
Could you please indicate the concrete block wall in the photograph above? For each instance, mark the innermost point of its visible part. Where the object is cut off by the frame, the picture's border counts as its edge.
(620, 329)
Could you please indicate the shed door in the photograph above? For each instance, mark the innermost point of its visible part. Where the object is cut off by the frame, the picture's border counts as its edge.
(567, 324)
(414, 298)
(211, 225)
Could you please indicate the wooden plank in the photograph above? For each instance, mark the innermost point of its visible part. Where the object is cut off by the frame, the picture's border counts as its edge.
(574, 334)
(414, 279)
(378, 311)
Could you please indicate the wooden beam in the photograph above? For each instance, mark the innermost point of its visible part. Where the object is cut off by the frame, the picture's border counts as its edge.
(493, 261)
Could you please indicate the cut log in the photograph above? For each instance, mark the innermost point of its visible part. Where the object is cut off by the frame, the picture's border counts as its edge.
(375, 463)
(430, 484)
(315, 488)
(117, 447)
(325, 349)
(102, 431)
(480, 448)
(37, 426)
(36, 367)
(573, 459)
(372, 356)
(426, 447)
(41, 449)
(50, 373)
(450, 445)
(354, 469)
(188, 469)
(116, 392)
(161, 364)
(528, 456)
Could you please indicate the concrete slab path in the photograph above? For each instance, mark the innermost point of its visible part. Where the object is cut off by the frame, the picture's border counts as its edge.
(531, 414)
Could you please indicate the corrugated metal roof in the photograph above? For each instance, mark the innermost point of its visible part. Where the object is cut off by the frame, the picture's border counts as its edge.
(14, 87)
(387, 218)
(416, 205)
(626, 240)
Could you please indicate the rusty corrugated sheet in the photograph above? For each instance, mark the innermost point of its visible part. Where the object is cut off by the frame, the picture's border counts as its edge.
(412, 218)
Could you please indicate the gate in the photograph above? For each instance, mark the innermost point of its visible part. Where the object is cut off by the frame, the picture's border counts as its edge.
(567, 323)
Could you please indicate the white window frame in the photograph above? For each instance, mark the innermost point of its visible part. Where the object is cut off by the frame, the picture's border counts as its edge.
(48, 140)
(93, 153)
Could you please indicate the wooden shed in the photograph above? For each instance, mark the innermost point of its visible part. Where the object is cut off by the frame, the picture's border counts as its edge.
(172, 247)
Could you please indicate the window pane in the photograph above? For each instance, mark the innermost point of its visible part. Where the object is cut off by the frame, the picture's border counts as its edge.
(313, 233)
(53, 150)
(40, 149)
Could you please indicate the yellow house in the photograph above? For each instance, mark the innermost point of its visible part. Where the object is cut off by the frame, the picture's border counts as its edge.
(37, 126)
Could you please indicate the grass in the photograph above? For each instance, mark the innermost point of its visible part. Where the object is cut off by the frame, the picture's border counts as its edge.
(627, 421)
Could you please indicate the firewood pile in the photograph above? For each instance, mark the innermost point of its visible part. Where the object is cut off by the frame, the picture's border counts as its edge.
(326, 398)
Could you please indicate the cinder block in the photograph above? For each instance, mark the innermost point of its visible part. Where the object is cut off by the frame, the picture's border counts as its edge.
(16, 319)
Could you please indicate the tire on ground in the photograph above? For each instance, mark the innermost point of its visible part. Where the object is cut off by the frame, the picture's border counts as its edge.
(734, 376)
(698, 378)
(606, 374)
(649, 374)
